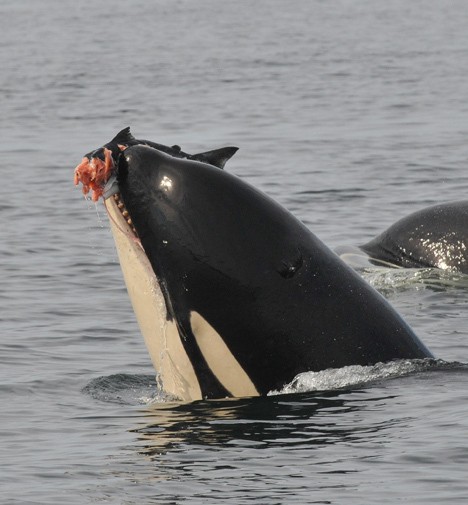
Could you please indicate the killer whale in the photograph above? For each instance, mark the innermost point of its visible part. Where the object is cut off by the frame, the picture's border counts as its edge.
(434, 237)
(233, 294)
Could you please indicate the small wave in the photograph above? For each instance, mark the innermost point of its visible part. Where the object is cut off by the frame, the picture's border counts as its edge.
(357, 375)
(126, 389)
(388, 280)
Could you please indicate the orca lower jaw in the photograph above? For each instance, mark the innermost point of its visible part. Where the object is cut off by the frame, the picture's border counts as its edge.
(174, 370)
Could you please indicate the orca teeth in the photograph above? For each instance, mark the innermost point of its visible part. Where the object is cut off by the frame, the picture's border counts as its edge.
(125, 214)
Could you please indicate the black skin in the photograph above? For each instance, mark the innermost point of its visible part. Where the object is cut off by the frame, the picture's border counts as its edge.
(281, 300)
(217, 157)
(435, 237)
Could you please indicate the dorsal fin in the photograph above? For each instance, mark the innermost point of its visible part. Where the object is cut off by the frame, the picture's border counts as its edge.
(217, 157)
(123, 136)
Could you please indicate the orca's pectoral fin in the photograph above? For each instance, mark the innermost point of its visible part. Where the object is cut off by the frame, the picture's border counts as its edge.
(124, 136)
(217, 157)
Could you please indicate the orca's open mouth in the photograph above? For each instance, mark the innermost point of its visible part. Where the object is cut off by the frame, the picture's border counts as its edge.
(123, 212)
(98, 176)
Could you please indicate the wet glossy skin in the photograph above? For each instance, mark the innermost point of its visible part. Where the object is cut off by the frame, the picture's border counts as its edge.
(280, 299)
(433, 237)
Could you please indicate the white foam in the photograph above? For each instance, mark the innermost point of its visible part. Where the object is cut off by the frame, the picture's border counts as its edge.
(401, 279)
(337, 378)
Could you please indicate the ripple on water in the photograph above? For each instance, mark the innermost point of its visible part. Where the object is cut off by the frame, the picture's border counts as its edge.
(125, 389)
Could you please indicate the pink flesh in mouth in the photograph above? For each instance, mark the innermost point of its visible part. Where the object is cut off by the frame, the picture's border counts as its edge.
(93, 174)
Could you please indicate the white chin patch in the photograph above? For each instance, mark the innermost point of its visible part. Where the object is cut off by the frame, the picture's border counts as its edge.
(162, 338)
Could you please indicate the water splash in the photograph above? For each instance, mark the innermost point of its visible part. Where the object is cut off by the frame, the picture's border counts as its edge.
(357, 375)
(390, 280)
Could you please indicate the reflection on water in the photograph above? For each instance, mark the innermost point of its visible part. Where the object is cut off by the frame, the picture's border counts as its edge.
(289, 448)
(296, 448)
(281, 449)
(292, 421)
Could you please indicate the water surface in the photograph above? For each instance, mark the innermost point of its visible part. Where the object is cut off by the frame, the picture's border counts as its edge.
(352, 115)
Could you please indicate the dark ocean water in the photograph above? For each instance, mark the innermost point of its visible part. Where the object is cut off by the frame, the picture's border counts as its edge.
(352, 115)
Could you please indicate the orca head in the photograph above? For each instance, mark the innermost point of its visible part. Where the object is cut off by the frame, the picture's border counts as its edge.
(189, 215)
(198, 236)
